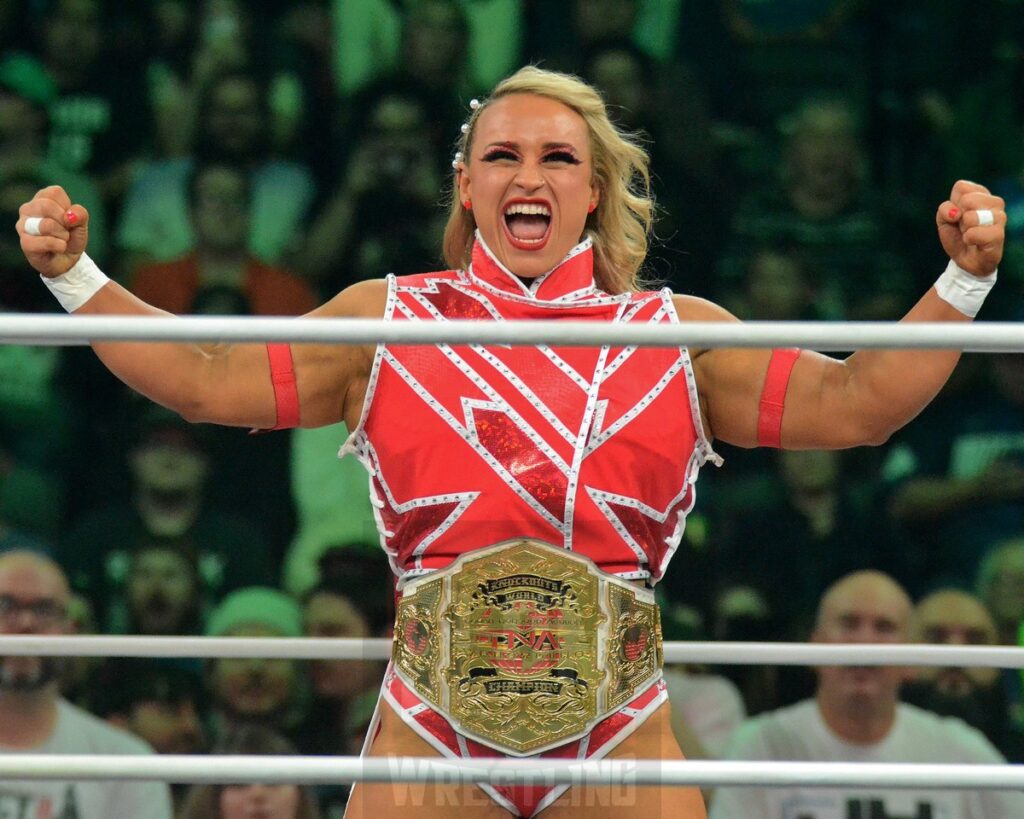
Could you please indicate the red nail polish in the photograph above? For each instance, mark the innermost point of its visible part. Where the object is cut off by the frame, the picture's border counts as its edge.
(71, 217)
(954, 212)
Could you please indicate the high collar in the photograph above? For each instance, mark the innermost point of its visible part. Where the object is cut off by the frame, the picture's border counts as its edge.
(574, 274)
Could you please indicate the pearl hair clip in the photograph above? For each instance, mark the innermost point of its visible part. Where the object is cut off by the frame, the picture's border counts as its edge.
(459, 156)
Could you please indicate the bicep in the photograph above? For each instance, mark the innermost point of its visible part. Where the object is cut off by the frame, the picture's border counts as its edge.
(241, 387)
(331, 378)
(818, 412)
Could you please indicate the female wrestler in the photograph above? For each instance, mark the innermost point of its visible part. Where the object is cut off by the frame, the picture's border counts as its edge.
(473, 446)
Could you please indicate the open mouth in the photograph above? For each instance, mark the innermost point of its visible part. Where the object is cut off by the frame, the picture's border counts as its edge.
(527, 223)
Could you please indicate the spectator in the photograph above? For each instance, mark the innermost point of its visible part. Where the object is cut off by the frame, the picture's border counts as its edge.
(383, 213)
(336, 684)
(340, 688)
(958, 476)
(359, 570)
(163, 592)
(669, 108)
(742, 613)
(170, 503)
(856, 716)
(198, 41)
(26, 94)
(234, 122)
(248, 801)
(976, 695)
(795, 544)
(99, 119)
(777, 285)
(34, 598)
(818, 198)
(368, 38)
(1000, 586)
(271, 692)
(37, 422)
(159, 702)
(761, 59)
(649, 25)
(220, 275)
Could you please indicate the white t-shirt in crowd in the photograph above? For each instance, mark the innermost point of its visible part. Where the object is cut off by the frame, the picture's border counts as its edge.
(799, 733)
(79, 732)
(710, 705)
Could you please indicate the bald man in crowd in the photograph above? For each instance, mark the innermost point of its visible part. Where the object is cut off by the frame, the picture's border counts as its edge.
(978, 695)
(856, 716)
(35, 719)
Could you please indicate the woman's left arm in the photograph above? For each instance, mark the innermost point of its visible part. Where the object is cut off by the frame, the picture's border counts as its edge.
(833, 404)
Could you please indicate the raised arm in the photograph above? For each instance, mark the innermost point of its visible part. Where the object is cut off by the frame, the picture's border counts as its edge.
(219, 383)
(832, 404)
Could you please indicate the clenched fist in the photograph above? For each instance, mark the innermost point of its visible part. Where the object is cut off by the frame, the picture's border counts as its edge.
(53, 231)
(972, 227)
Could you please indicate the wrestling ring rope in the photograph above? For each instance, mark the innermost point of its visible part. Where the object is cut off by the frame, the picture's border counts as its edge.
(821, 336)
(346, 648)
(987, 337)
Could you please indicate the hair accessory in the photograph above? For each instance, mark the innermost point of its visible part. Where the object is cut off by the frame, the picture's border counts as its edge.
(474, 103)
(465, 128)
(458, 160)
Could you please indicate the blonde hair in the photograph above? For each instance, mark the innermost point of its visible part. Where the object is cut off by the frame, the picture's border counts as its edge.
(620, 225)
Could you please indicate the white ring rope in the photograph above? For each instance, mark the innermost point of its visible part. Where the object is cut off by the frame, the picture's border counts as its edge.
(983, 337)
(334, 648)
(346, 769)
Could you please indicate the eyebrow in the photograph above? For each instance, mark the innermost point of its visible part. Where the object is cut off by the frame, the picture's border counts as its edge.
(546, 146)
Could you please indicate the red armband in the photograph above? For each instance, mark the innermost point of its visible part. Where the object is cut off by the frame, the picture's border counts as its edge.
(286, 393)
(773, 397)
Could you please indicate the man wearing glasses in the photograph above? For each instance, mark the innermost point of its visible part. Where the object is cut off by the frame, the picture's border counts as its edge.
(34, 718)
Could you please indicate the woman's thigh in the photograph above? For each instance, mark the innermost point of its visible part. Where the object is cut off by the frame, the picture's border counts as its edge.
(652, 740)
(411, 800)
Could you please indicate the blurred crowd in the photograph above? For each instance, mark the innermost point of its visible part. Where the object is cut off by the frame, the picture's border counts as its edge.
(256, 158)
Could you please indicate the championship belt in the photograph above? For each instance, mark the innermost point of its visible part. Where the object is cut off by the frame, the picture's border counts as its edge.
(524, 646)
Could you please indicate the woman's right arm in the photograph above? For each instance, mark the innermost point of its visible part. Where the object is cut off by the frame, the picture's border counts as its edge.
(219, 383)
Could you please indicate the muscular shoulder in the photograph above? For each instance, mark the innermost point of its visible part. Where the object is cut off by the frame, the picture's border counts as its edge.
(694, 308)
(365, 299)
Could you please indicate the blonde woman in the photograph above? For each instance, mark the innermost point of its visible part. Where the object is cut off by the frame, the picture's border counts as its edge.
(529, 498)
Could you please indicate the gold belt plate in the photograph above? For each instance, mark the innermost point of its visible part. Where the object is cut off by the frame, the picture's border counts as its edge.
(525, 646)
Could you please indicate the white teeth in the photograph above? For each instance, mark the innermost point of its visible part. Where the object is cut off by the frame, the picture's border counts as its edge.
(527, 209)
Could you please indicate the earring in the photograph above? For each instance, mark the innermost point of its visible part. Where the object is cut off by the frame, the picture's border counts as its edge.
(468, 205)
(592, 208)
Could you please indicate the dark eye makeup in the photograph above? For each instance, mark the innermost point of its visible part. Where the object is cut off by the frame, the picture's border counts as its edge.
(499, 153)
(494, 154)
(563, 156)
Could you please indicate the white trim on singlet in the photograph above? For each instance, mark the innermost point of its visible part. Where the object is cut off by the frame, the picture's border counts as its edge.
(703, 444)
(371, 384)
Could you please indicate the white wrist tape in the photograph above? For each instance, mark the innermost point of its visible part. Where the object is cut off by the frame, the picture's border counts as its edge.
(78, 285)
(965, 291)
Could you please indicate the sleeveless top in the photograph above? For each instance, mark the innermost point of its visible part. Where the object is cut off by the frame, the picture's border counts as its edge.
(592, 449)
